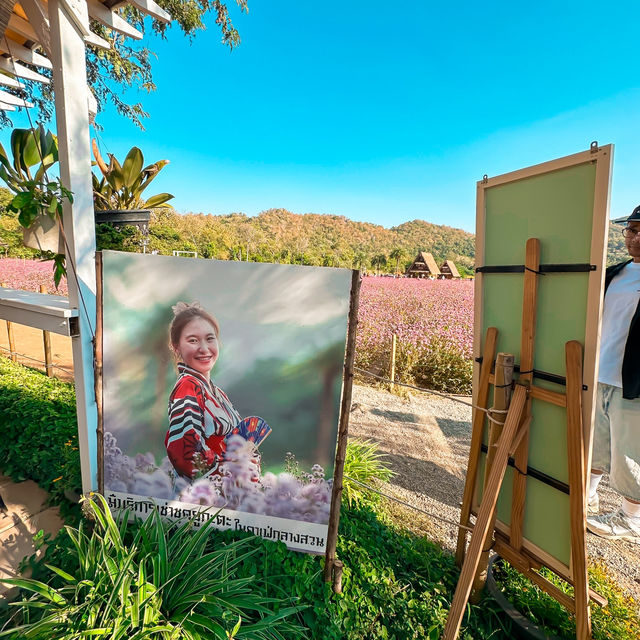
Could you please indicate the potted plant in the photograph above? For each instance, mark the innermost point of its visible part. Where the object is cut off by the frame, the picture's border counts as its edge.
(38, 198)
(118, 195)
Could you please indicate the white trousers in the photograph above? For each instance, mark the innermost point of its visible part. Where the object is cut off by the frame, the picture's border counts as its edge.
(616, 440)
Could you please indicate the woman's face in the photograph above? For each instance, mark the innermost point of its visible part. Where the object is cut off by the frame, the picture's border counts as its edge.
(198, 346)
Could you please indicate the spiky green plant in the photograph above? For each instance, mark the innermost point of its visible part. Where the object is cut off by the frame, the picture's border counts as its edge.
(364, 464)
(122, 185)
(163, 584)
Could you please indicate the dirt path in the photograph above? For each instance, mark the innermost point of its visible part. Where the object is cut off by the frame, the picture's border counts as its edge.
(427, 442)
(29, 344)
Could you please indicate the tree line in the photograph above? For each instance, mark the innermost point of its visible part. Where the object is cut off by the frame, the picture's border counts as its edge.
(278, 235)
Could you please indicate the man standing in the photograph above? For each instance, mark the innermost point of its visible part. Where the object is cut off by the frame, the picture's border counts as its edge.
(616, 438)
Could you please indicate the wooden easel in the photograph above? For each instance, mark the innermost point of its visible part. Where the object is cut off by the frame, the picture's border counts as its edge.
(514, 441)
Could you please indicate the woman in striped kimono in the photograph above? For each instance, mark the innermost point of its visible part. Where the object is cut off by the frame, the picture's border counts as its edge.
(201, 415)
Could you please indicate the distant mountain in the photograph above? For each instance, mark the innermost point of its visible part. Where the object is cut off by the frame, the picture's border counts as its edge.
(316, 239)
(617, 252)
(277, 235)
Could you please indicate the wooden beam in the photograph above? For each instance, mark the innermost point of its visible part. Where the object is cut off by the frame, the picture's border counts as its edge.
(477, 428)
(527, 345)
(23, 53)
(6, 107)
(19, 70)
(152, 9)
(485, 514)
(39, 22)
(22, 28)
(577, 489)
(8, 81)
(97, 41)
(112, 20)
(525, 562)
(538, 393)
(501, 399)
(9, 98)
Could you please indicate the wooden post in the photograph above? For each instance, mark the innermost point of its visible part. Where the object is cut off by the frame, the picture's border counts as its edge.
(501, 398)
(476, 440)
(529, 309)
(486, 513)
(46, 339)
(97, 366)
(577, 489)
(392, 372)
(12, 344)
(343, 430)
(338, 566)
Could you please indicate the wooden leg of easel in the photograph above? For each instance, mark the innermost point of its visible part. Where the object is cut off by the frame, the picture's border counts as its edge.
(485, 514)
(577, 480)
(521, 456)
(501, 398)
(476, 440)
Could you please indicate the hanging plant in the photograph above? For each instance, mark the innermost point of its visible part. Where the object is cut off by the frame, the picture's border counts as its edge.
(37, 197)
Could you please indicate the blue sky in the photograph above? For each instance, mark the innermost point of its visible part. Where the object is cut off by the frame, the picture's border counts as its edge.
(386, 112)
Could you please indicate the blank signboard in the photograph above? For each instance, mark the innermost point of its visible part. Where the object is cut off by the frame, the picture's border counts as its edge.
(563, 203)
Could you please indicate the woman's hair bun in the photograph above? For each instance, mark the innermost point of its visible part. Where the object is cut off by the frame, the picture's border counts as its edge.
(183, 306)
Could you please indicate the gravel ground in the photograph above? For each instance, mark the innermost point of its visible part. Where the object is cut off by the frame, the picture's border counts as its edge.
(426, 439)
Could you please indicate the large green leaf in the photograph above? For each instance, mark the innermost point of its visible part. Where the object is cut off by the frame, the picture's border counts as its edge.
(157, 201)
(40, 588)
(115, 179)
(17, 145)
(31, 152)
(132, 166)
(114, 175)
(149, 173)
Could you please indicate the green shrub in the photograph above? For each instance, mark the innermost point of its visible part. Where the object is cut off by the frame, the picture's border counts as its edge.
(363, 463)
(148, 580)
(39, 429)
(443, 368)
(127, 238)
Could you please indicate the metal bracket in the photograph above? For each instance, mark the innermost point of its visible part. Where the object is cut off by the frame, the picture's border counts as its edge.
(593, 147)
(74, 327)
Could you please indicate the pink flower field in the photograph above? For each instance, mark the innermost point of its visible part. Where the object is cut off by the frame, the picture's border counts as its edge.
(433, 321)
(19, 273)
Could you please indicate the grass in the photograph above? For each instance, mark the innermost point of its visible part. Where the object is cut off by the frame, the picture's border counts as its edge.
(617, 621)
(397, 584)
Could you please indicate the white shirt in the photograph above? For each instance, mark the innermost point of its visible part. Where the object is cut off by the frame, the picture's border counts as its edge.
(620, 303)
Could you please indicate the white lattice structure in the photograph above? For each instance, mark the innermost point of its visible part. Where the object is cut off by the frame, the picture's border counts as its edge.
(52, 35)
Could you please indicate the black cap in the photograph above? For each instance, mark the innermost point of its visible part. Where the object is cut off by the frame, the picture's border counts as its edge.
(635, 215)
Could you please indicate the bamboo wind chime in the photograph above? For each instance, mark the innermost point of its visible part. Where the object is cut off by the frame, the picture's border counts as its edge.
(509, 439)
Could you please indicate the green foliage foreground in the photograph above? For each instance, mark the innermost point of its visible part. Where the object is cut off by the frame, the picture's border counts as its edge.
(110, 581)
(159, 580)
(39, 429)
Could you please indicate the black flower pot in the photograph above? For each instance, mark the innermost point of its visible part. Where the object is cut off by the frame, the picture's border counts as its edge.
(131, 217)
(521, 626)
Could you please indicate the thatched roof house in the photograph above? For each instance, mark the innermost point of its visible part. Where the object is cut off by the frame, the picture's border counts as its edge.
(449, 270)
(424, 266)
